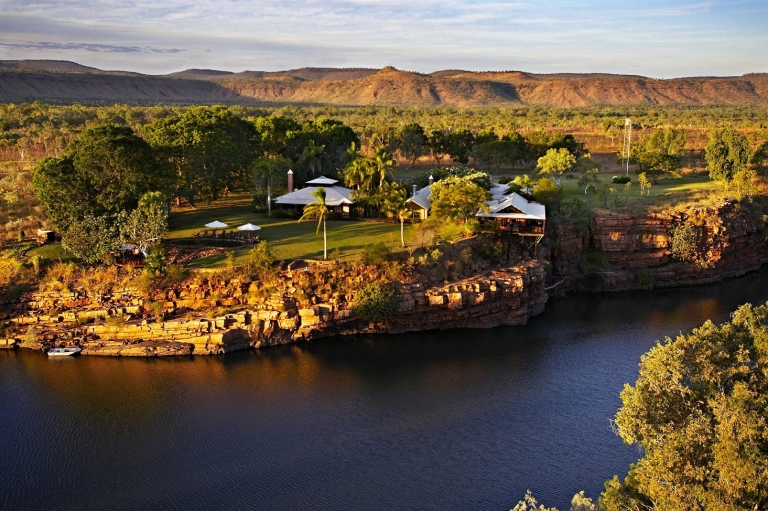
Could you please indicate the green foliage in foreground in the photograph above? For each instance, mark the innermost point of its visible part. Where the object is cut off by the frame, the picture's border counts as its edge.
(578, 503)
(376, 302)
(699, 412)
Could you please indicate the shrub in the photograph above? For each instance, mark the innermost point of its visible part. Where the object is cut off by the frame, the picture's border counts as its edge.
(593, 260)
(376, 254)
(376, 302)
(683, 243)
(620, 180)
(493, 251)
(155, 262)
(260, 202)
(261, 261)
(644, 279)
(283, 213)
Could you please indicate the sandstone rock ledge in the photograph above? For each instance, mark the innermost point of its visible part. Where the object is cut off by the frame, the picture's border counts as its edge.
(507, 296)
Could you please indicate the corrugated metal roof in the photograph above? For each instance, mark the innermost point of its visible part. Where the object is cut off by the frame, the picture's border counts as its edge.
(334, 196)
(323, 181)
(526, 209)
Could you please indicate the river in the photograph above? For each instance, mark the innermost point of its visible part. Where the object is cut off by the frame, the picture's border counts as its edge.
(454, 420)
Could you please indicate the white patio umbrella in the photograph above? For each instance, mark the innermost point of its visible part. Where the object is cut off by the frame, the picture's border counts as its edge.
(216, 225)
(248, 227)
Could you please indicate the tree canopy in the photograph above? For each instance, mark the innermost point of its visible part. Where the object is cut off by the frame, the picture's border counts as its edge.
(556, 161)
(727, 153)
(210, 150)
(103, 172)
(699, 410)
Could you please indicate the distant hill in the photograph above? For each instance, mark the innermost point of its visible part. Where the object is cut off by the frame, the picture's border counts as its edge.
(49, 80)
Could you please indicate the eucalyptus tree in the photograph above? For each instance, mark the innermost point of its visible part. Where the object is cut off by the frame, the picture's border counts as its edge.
(727, 153)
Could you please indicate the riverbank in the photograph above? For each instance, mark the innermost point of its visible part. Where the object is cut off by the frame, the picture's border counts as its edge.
(222, 313)
(450, 286)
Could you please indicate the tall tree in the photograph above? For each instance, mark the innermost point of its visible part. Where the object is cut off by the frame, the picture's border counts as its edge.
(437, 143)
(210, 149)
(727, 153)
(557, 162)
(410, 142)
(668, 141)
(103, 172)
(311, 157)
(320, 211)
(383, 164)
(268, 171)
(460, 144)
(396, 206)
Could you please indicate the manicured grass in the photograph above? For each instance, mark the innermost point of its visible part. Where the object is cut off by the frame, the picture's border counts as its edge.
(670, 190)
(51, 252)
(293, 240)
(289, 238)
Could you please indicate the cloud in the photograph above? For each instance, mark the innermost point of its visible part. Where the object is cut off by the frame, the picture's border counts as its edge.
(93, 47)
(653, 37)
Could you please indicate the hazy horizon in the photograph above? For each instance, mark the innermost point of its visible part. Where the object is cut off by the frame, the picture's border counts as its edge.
(651, 38)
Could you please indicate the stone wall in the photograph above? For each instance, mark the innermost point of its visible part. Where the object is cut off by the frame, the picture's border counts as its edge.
(299, 305)
(731, 240)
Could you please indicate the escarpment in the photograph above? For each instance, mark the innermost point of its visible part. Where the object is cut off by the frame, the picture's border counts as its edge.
(634, 250)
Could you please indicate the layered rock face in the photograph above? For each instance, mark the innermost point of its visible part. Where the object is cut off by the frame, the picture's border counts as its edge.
(730, 241)
(300, 305)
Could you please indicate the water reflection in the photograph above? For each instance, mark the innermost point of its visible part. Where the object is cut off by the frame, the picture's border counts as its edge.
(459, 419)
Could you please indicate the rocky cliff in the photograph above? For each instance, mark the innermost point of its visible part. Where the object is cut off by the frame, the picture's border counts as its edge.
(633, 250)
(300, 305)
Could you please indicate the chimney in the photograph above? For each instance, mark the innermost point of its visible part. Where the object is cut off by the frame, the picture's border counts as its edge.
(431, 180)
(414, 189)
(290, 181)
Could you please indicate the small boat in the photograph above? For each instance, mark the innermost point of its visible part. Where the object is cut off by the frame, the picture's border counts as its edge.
(63, 352)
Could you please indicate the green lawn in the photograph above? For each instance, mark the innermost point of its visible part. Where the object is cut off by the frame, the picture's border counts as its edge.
(290, 239)
(51, 252)
(667, 189)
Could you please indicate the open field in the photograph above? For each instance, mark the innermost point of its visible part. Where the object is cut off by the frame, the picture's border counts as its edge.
(669, 190)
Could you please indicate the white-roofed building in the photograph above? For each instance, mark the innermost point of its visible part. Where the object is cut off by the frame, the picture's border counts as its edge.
(337, 198)
(322, 181)
(516, 214)
(419, 203)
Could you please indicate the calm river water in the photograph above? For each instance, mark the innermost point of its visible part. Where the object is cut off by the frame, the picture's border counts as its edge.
(456, 420)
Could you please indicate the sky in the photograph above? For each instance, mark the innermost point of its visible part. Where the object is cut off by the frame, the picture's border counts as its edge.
(659, 39)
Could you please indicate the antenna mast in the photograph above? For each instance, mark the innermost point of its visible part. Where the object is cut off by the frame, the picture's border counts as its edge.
(627, 140)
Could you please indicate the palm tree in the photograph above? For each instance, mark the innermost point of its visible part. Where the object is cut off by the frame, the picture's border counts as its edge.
(318, 210)
(359, 174)
(311, 157)
(352, 153)
(396, 206)
(384, 164)
(269, 170)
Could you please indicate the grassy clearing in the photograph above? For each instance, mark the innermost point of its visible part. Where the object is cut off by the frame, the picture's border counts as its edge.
(291, 240)
(51, 252)
(668, 191)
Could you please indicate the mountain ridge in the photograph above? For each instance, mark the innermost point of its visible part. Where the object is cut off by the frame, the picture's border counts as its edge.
(51, 80)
